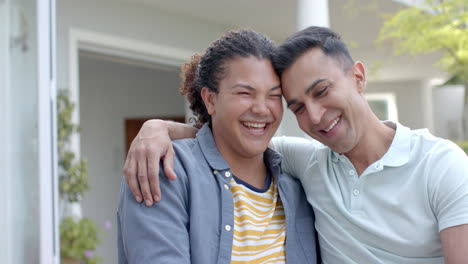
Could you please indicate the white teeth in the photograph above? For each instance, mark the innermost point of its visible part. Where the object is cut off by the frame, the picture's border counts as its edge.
(332, 125)
(256, 125)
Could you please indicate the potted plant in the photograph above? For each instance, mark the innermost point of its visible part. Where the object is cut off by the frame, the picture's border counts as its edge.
(73, 174)
(79, 236)
(78, 241)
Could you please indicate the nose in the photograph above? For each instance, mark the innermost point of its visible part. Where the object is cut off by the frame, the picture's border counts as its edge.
(315, 112)
(260, 107)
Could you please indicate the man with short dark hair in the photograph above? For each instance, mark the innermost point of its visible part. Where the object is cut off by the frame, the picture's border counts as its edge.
(381, 193)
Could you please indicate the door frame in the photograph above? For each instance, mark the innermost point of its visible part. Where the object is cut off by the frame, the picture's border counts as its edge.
(47, 137)
(44, 24)
(4, 135)
(106, 44)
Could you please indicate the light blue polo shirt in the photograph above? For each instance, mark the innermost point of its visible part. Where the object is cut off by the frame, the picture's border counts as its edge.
(394, 211)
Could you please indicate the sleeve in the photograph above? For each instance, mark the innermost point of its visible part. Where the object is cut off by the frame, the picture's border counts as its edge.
(449, 192)
(156, 234)
(296, 152)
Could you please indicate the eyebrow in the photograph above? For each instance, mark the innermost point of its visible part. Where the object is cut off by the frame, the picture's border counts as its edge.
(307, 91)
(246, 86)
(314, 84)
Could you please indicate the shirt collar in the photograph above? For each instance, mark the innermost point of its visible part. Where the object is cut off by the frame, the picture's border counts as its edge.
(399, 152)
(214, 158)
(209, 148)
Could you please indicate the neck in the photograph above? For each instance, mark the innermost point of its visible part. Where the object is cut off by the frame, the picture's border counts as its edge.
(251, 170)
(373, 145)
(246, 163)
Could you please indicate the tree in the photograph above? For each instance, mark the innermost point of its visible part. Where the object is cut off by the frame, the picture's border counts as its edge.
(436, 25)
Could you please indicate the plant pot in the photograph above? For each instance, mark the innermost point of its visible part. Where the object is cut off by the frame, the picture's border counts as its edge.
(72, 209)
(70, 261)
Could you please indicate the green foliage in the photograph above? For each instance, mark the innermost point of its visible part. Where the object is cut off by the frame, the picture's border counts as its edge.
(437, 25)
(65, 110)
(73, 174)
(79, 239)
(74, 180)
(463, 145)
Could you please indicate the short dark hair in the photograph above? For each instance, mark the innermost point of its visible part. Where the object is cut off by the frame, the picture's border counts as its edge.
(206, 70)
(300, 42)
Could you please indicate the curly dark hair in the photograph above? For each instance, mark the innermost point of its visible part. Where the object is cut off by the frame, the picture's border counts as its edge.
(206, 70)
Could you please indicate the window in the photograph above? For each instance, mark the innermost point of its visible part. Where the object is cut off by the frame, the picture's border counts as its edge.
(383, 105)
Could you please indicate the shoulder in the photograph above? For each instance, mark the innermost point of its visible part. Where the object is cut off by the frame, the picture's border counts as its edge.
(290, 181)
(186, 150)
(186, 143)
(297, 144)
(190, 163)
(424, 144)
(440, 160)
(184, 158)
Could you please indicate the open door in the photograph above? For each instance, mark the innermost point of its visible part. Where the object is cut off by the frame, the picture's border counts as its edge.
(133, 125)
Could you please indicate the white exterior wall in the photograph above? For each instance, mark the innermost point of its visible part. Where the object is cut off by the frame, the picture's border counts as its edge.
(410, 101)
(448, 111)
(110, 93)
(128, 21)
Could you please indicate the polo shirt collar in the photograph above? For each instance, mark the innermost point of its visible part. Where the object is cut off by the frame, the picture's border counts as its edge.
(399, 152)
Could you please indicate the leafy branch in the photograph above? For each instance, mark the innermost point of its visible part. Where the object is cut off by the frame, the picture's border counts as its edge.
(73, 173)
(437, 25)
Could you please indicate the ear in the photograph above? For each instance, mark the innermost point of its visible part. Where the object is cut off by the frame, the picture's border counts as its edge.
(359, 73)
(209, 98)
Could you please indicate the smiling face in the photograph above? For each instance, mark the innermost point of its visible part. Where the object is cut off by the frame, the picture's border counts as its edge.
(327, 101)
(247, 110)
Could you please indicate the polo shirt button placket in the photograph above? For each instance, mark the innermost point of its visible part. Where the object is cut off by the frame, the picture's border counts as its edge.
(355, 199)
(378, 166)
(351, 174)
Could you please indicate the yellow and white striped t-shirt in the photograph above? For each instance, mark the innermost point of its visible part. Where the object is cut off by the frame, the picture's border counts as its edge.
(259, 225)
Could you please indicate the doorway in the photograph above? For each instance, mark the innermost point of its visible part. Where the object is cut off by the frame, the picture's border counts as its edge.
(112, 90)
(133, 125)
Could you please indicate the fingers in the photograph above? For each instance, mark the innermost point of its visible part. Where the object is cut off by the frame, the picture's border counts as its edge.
(153, 176)
(168, 162)
(143, 180)
(130, 172)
